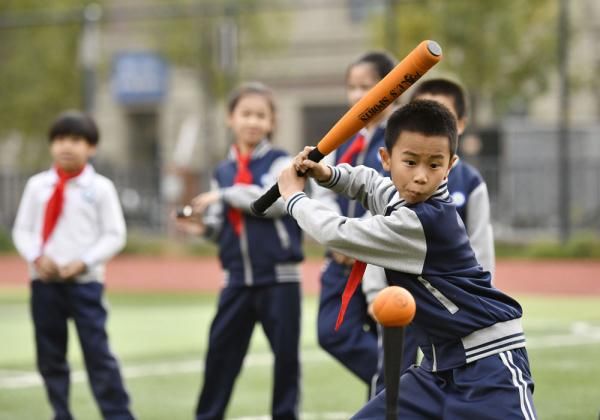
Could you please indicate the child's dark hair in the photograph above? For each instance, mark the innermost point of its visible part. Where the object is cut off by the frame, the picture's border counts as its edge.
(382, 62)
(74, 123)
(426, 117)
(444, 87)
(249, 88)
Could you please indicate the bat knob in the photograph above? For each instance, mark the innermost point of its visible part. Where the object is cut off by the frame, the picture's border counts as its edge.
(434, 48)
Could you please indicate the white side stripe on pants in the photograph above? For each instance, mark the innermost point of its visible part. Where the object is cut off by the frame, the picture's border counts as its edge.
(522, 380)
(519, 383)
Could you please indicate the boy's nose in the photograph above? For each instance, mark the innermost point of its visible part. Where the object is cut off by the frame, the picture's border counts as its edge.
(420, 177)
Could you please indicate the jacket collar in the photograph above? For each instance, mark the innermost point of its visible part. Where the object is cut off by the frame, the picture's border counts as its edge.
(259, 151)
(440, 194)
(84, 179)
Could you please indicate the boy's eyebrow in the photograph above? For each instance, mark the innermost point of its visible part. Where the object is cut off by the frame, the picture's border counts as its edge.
(436, 156)
(408, 152)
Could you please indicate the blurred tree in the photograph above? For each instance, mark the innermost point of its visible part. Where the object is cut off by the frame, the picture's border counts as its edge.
(217, 34)
(501, 50)
(41, 72)
(219, 39)
(39, 75)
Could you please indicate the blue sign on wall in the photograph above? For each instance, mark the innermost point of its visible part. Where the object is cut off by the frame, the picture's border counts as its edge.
(139, 78)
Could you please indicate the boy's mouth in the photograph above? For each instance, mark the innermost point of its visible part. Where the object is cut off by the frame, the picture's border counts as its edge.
(413, 193)
(414, 196)
(68, 159)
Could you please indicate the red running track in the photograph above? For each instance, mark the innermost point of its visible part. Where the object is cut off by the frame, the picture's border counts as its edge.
(144, 273)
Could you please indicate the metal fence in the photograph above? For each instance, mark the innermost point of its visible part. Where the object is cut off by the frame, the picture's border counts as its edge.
(524, 197)
(529, 191)
(140, 190)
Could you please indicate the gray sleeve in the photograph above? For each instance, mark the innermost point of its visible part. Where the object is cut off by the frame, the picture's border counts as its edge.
(396, 241)
(363, 184)
(324, 196)
(374, 280)
(479, 227)
(241, 196)
(113, 229)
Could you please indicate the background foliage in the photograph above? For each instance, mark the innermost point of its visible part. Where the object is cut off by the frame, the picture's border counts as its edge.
(500, 50)
(39, 72)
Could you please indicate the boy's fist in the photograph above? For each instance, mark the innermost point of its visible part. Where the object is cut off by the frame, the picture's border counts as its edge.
(46, 268)
(316, 170)
(72, 269)
(289, 182)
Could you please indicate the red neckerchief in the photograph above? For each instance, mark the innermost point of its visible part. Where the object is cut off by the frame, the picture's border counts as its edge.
(354, 279)
(242, 176)
(359, 267)
(354, 149)
(55, 204)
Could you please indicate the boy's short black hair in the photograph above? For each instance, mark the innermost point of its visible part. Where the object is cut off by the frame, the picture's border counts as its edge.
(426, 117)
(74, 123)
(444, 87)
(382, 62)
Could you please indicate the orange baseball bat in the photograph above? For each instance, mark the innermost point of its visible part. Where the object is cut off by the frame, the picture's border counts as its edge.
(383, 94)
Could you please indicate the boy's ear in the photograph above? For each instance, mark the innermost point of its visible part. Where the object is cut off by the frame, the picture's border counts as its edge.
(461, 124)
(92, 151)
(451, 165)
(385, 159)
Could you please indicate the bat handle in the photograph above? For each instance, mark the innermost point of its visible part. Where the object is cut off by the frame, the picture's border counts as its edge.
(262, 203)
(393, 339)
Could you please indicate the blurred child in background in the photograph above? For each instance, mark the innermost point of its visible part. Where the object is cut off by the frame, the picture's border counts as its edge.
(260, 257)
(465, 183)
(355, 343)
(69, 224)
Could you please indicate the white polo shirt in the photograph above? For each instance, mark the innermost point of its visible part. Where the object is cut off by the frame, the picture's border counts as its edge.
(91, 227)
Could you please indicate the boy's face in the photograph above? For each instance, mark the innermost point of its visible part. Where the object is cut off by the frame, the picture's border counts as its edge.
(417, 164)
(71, 153)
(448, 102)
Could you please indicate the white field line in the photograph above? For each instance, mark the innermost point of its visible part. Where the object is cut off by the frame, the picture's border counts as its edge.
(581, 334)
(20, 379)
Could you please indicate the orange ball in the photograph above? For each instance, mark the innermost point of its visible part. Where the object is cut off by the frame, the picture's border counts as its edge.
(394, 306)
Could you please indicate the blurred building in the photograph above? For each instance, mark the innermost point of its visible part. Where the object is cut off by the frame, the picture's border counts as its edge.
(163, 129)
(174, 136)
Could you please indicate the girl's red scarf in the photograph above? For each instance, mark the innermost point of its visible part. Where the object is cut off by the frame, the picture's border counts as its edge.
(243, 176)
